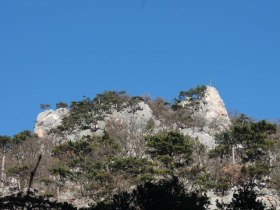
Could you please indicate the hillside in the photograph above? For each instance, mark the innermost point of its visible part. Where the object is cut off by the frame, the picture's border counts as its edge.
(114, 148)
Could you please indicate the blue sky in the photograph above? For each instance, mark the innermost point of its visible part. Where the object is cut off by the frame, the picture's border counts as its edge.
(53, 51)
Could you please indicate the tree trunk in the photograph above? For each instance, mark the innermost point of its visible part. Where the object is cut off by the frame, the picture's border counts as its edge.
(19, 183)
(199, 158)
(3, 175)
(233, 154)
(57, 193)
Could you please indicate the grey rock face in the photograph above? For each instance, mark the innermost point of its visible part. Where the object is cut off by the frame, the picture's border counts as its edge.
(49, 119)
(212, 118)
(212, 115)
(214, 110)
(138, 118)
(203, 137)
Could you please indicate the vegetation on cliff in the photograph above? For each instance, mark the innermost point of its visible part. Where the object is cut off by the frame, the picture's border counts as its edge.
(123, 169)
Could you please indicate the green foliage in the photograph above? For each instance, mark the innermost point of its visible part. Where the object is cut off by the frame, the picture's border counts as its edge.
(171, 148)
(87, 162)
(133, 103)
(194, 99)
(220, 151)
(109, 99)
(4, 141)
(22, 136)
(131, 166)
(222, 184)
(44, 106)
(61, 105)
(252, 144)
(244, 199)
(77, 148)
(250, 137)
(193, 93)
(88, 111)
(47, 181)
(204, 181)
(103, 177)
(253, 137)
(32, 201)
(80, 115)
(62, 171)
(107, 141)
(74, 159)
(150, 125)
(258, 170)
(164, 195)
(18, 170)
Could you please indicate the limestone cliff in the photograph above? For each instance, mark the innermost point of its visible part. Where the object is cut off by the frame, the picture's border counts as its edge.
(212, 117)
(132, 123)
(214, 110)
(47, 120)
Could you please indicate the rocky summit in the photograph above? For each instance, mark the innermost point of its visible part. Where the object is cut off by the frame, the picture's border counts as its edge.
(212, 116)
(47, 120)
(214, 111)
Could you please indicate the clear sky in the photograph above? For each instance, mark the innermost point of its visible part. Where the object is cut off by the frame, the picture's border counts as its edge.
(53, 51)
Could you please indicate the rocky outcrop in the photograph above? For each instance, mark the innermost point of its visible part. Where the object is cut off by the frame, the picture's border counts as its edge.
(212, 117)
(138, 118)
(214, 110)
(209, 112)
(49, 119)
(204, 138)
(132, 123)
(135, 118)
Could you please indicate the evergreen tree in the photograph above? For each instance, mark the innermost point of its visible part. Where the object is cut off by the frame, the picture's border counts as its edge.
(244, 199)
(171, 148)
